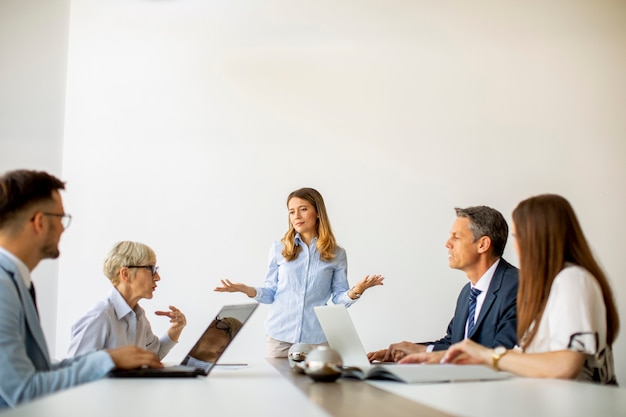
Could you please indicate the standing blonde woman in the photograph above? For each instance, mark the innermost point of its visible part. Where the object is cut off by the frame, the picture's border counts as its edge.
(567, 317)
(306, 269)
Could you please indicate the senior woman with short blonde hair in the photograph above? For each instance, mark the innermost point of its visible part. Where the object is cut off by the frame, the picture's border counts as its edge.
(119, 320)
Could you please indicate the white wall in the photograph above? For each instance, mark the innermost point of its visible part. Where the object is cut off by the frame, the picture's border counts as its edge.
(33, 47)
(189, 122)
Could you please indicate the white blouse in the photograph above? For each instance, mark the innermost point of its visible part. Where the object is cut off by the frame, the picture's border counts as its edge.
(575, 319)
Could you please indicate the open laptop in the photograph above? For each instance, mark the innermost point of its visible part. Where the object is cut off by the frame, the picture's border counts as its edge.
(342, 337)
(207, 350)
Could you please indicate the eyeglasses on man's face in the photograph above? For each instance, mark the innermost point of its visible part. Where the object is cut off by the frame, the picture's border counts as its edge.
(153, 268)
(66, 219)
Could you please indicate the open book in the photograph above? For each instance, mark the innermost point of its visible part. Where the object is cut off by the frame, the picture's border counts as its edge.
(414, 373)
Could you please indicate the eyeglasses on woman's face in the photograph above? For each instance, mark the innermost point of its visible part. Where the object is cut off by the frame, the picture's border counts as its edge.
(153, 268)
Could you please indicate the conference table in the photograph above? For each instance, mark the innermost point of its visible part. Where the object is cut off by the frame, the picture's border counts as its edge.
(268, 387)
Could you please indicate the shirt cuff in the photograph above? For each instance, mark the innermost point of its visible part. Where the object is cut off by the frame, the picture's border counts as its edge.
(167, 342)
(104, 360)
(347, 300)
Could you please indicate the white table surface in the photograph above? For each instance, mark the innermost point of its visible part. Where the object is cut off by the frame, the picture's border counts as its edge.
(515, 397)
(260, 390)
(255, 390)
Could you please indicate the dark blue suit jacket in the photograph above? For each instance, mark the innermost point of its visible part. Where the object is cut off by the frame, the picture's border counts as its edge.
(497, 321)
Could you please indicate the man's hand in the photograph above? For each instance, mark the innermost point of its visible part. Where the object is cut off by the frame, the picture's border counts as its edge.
(424, 357)
(378, 355)
(131, 357)
(397, 351)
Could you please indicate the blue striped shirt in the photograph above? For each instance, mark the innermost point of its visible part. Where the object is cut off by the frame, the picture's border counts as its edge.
(293, 288)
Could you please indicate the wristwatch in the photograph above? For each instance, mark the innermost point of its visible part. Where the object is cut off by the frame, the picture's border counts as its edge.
(498, 353)
(355, 294)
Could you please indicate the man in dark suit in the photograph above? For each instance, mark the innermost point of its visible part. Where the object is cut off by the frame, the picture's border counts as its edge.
(32, 220)
(486, 307)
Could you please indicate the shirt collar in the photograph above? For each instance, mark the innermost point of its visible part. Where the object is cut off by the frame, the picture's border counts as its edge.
(298, 241)
(485, 280)
(120, 305)
(21, 267)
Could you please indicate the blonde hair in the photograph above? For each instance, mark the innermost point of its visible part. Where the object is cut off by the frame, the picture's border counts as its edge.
(126, 253)
(326, 243)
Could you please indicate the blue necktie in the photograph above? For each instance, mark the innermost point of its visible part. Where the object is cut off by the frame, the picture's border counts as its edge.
(474, 292)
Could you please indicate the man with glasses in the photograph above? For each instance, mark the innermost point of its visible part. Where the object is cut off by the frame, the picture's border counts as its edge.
(119, 319)
(32, 220)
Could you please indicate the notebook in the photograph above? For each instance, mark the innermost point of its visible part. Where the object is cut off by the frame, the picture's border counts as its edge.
(207, 350)
(342, 337)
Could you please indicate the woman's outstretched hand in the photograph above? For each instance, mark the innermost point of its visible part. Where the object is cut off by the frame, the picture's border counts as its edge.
(367, 282)
(228, 286)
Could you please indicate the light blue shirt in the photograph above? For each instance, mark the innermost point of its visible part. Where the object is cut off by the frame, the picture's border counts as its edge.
(112, 323)
(293, 288)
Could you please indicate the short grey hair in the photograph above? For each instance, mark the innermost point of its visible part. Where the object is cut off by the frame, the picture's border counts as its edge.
(126, 253)
(486, 221)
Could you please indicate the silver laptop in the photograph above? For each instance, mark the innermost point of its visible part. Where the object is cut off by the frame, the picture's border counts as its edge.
(343, 337)
(204, 355)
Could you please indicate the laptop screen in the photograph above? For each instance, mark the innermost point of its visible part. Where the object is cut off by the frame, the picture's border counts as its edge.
(342, 335)
(218, 335)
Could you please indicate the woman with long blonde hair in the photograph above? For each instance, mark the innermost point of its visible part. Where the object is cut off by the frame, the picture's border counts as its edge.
(306, 269)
